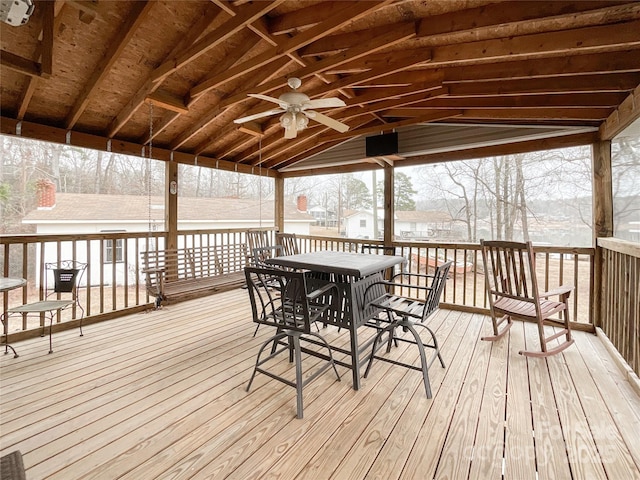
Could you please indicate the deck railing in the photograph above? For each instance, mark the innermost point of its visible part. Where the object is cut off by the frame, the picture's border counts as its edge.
(555, 266)
(114, 282)
(619, 297)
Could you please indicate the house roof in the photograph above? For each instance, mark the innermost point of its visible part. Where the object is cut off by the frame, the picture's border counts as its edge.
(454, 78)
(418, 216)
(422, 216)
(76, 207)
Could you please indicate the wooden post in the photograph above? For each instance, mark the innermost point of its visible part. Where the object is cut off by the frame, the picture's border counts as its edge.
(171, 205)
(389, 211)
(602, 218)
(278, 215)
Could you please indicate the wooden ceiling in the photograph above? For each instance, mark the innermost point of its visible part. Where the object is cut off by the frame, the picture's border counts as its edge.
(93, 73)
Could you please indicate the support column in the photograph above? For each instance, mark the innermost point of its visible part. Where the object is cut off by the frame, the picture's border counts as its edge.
(602, 218)
(171, 204)
(389, 210)
(279, 204)
(602, 190)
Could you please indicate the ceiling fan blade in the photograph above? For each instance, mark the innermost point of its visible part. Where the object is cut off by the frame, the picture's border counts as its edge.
(255, 116)
(325, 103)
(267, 98)
(328, 121)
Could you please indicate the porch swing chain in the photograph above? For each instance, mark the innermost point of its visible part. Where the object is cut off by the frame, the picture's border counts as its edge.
(149, 166)
(260, 181)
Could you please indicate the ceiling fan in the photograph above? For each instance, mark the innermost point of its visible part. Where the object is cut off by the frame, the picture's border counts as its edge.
(296, 109)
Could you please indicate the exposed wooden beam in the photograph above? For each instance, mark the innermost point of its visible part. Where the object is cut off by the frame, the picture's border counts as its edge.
(32, 81)
(89, 10)
(627, 113)
(587, 40)
(541, 16)
(20, 64)
(615, 82)
(427, 118)
(214, 38)
(169, 101)
(554, 113)
(433, 87)
(223, 105)
(498, 20)
(350, 13)
(542, 100)
(149, 86)
(252, 128)
(624, 61)
(303, 18)
(47, 39)
(138, 14)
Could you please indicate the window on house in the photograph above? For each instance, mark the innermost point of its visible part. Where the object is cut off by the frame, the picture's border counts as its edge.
(110, 251)
(363, 223)
(114, 249)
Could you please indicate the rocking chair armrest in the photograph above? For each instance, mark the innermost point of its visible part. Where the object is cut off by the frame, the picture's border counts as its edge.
(563, 290)
(322, 290)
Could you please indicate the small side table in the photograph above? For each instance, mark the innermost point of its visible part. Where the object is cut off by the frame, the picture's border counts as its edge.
(6, 284)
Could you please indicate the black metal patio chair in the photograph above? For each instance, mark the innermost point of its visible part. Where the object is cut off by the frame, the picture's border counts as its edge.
(292, 311)
(408, 312)
(66, 278)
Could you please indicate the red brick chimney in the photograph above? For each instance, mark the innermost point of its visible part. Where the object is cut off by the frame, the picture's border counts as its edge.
(302, 203)
(46, 191)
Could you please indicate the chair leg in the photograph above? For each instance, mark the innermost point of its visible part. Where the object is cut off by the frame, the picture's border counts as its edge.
(5, 328)
(389, 328)
(81, 317)
(299, 384)
(273, 339)
(423, 358)
(333, 364)
(435, 345)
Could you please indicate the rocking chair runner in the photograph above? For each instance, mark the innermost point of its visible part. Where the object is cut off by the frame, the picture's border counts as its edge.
(512, 288)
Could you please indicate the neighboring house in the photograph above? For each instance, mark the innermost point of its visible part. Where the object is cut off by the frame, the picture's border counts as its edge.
(422, 224)
(72, 213)
(409, 225)
(324, 217)
(360, 224)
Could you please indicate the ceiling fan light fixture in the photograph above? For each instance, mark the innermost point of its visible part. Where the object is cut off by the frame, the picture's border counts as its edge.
(287, 119)
(301, 122)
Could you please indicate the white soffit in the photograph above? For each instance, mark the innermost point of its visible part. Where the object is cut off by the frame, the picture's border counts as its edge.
(437, 138)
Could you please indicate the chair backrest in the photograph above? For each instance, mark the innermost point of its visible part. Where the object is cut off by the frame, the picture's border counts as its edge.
(257, 239)
(432, 302)
(509, 270)
(278, 298)
(261, 254)
(66, 276)
(289, 243)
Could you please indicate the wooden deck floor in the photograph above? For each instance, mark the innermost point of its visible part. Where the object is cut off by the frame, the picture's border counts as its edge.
(162, 395)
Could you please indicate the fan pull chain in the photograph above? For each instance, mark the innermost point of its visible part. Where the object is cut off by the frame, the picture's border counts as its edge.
(149, 165)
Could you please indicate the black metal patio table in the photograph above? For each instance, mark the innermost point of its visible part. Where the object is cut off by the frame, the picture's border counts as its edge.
(352, 273)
